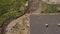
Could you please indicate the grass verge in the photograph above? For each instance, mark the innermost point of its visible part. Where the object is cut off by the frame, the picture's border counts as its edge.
(50, 8)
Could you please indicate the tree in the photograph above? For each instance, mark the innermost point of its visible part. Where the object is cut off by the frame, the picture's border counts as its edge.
(11, 9)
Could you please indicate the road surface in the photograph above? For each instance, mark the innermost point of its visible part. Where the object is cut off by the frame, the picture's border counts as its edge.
(37, 24)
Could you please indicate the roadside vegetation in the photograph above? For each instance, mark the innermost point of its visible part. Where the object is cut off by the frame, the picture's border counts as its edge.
(11, 9)
(50, 8)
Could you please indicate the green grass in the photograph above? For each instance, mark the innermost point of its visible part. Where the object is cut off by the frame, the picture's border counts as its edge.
(11, 9)
(50, 8)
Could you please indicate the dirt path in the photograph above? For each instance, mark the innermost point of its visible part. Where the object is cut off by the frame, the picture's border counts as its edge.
(35, 7)
(4, 26)
(18, 26)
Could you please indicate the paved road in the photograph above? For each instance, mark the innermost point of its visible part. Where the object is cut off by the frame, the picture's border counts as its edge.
(38, 22)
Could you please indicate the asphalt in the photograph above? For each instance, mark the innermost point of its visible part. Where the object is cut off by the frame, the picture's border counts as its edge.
(37, 24)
